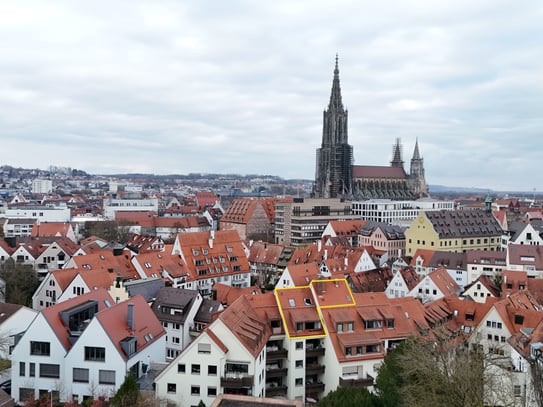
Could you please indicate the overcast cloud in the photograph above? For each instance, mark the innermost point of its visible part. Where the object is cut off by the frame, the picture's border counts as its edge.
(239, 86)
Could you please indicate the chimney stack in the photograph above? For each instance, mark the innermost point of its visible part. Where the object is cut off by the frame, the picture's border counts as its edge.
(211, 237)
(130, 316)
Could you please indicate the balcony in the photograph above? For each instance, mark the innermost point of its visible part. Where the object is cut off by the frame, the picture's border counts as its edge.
(355, 381)
(316, 351)
(237, 381)
(275, 390)
(273, 371)
(314, 388)
(275, 353)
(313, 369)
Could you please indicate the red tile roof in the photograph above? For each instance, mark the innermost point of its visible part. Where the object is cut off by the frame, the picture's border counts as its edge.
(146, 326)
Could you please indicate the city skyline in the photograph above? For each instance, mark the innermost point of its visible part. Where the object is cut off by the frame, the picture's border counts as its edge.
(238, 87)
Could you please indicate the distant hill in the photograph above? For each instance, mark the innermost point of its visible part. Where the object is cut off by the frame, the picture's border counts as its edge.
(468, 190)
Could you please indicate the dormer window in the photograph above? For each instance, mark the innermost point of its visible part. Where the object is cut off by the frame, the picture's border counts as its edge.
(519, 319)
(373, 324)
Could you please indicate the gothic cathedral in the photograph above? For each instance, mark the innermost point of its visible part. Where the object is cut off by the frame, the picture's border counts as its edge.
(336, 176)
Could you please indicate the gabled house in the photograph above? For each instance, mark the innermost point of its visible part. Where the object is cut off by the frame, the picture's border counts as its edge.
(481, 289)
(252, 218)
(157, 264)
(210, 257)
(436, 285)
(227, 357)
(55, 254)
(426, 261)
(14, 320)
(264, 261)
(54, 229)
(524, 233)
(117, 261)
(509, 316)
(297, 275)
(384, 237)
(402, 282)
(176, 308)
(83, 348)
(348, 229)
(51, 287)
(144, 243)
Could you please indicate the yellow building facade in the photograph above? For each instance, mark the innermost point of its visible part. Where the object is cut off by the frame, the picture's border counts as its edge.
(453, 231)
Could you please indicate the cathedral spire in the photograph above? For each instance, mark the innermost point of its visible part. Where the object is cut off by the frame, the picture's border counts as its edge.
(397, 155)
(335, 97)
(416, 154)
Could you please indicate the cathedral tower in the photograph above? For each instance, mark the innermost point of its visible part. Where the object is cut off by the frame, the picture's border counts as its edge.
(333, 175)
(417, 180)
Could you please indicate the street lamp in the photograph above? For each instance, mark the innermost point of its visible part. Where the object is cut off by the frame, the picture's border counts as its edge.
(51, 398)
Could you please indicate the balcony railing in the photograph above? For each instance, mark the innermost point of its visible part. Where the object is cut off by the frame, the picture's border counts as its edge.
(276, 354)
(318, 351)
(276, 372)
(356, 381)
(237, 381)
(314, 369)
(274, 391)
(314, 388)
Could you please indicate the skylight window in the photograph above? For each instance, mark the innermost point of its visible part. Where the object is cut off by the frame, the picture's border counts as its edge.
(291, 302)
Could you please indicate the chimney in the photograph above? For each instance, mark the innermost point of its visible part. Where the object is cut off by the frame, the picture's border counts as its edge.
(130, 316)
(319, 245)
(325, 257)
(346, 261)
(211, 237)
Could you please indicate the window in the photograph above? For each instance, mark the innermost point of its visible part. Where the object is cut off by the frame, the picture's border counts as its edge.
(195, 369)
(299, 381)
(80, 375)
(95, 353)
(211, 391)
(49, 370)
(390, 323)
(32, 369)
(175, 339)
(299, 363)
(172, 387)
(22, 369)
(40, 348)
(204, 348)
(212, 370)
(517, 390)
(106, 376)
(195, 390)
(181, 368)
(299, 345)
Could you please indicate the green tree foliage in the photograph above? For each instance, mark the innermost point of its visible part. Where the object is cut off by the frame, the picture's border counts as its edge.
(434, 373)
(390, 380)
(128, 394)
(109, 230)
(21, 282)
(350, 397)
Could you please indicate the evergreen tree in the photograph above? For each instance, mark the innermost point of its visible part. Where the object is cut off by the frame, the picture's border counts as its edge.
(128, 394)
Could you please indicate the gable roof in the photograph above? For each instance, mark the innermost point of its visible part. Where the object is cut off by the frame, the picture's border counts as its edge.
(242, 320)
(143, 325)
(52, 314)
(265, 253)
(375, 171)
(443, 281)
(58, 229)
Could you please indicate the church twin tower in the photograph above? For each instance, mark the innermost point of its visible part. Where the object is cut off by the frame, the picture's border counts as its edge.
(336, 176)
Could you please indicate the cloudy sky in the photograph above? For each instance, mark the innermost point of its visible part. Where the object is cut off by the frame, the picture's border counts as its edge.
(233, 86)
